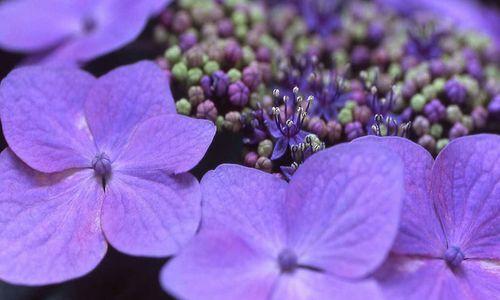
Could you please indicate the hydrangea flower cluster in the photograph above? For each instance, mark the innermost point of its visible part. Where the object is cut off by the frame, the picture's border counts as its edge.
(434, 83)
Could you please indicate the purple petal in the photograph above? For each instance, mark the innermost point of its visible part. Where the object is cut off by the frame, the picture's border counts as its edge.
(280, 147)
(43, 120)
(49, 233)
(305, 284)
(466, 190)
(482, 277)
(298, 138)
(171, 142)
(405, 278)
(123, 98)
(219, 265)
(116, 23)
(273, 128)
(34, 25)
(420, 231)
(248, 202)
(344, 205)
(151, 214)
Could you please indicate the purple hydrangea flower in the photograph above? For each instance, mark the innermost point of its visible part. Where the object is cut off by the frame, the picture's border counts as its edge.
(318, 237)
(448, 246)
(287, 125)
(60, 31)
(109, 157)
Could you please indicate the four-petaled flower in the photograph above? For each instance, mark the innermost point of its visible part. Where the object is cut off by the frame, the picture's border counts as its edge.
(108, 159)
(75, 31)
(448, 246)
(318, 237)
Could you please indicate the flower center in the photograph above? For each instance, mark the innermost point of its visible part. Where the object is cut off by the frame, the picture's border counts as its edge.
(89, 25)
(453, 256)
(287, 261)
(101, 165)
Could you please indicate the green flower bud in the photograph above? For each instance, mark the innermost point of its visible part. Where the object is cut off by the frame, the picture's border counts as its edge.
(468, 122)
(417, 102)
(183, 107)
(239, 18)
(234, 75)
(429, 92)
(436, 130)
(194, 76)
(180, 71)
(219, 123)
(350, 105)
(345, 116)
(441, 143)
(453, 114)
(248, 55)
(173, 54)
(241, 31)
(438, 84)
(265, 148)
(210, 67)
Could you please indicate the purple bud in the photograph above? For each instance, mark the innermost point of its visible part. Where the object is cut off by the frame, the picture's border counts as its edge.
(263, 54)
(251, 77)
(251, 159)
(206, 110)
(375, 32)
(360, 56)
(455, 91)
(334, 129)
(458, 130)
(225, 28)
(475, 69)
(232, 52)
(215, 85)
(187, 40)
(479, 116)
(181, 22)
(494, 106)
(421, 125)
(438, 68)
(238, 94)
(428, 142)
(435, 111)
(362, 114)
(353, 130)
(318, 127)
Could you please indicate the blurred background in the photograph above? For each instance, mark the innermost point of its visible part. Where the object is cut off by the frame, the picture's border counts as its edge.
(120, 276)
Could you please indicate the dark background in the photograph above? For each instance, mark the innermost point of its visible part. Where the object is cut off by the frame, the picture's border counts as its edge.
(120, 276)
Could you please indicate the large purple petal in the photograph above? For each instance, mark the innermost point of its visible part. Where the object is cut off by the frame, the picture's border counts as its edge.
(123, 98)
(35, 25)
(419, 231)
(43, 119)
(248, 202)
(306, 284)
(220, 265)
(344, 205)
(151, 214)
(115, 24)
(412, 278)
(466, 189)
(49, 231)
(482, 277)
(171, 142)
